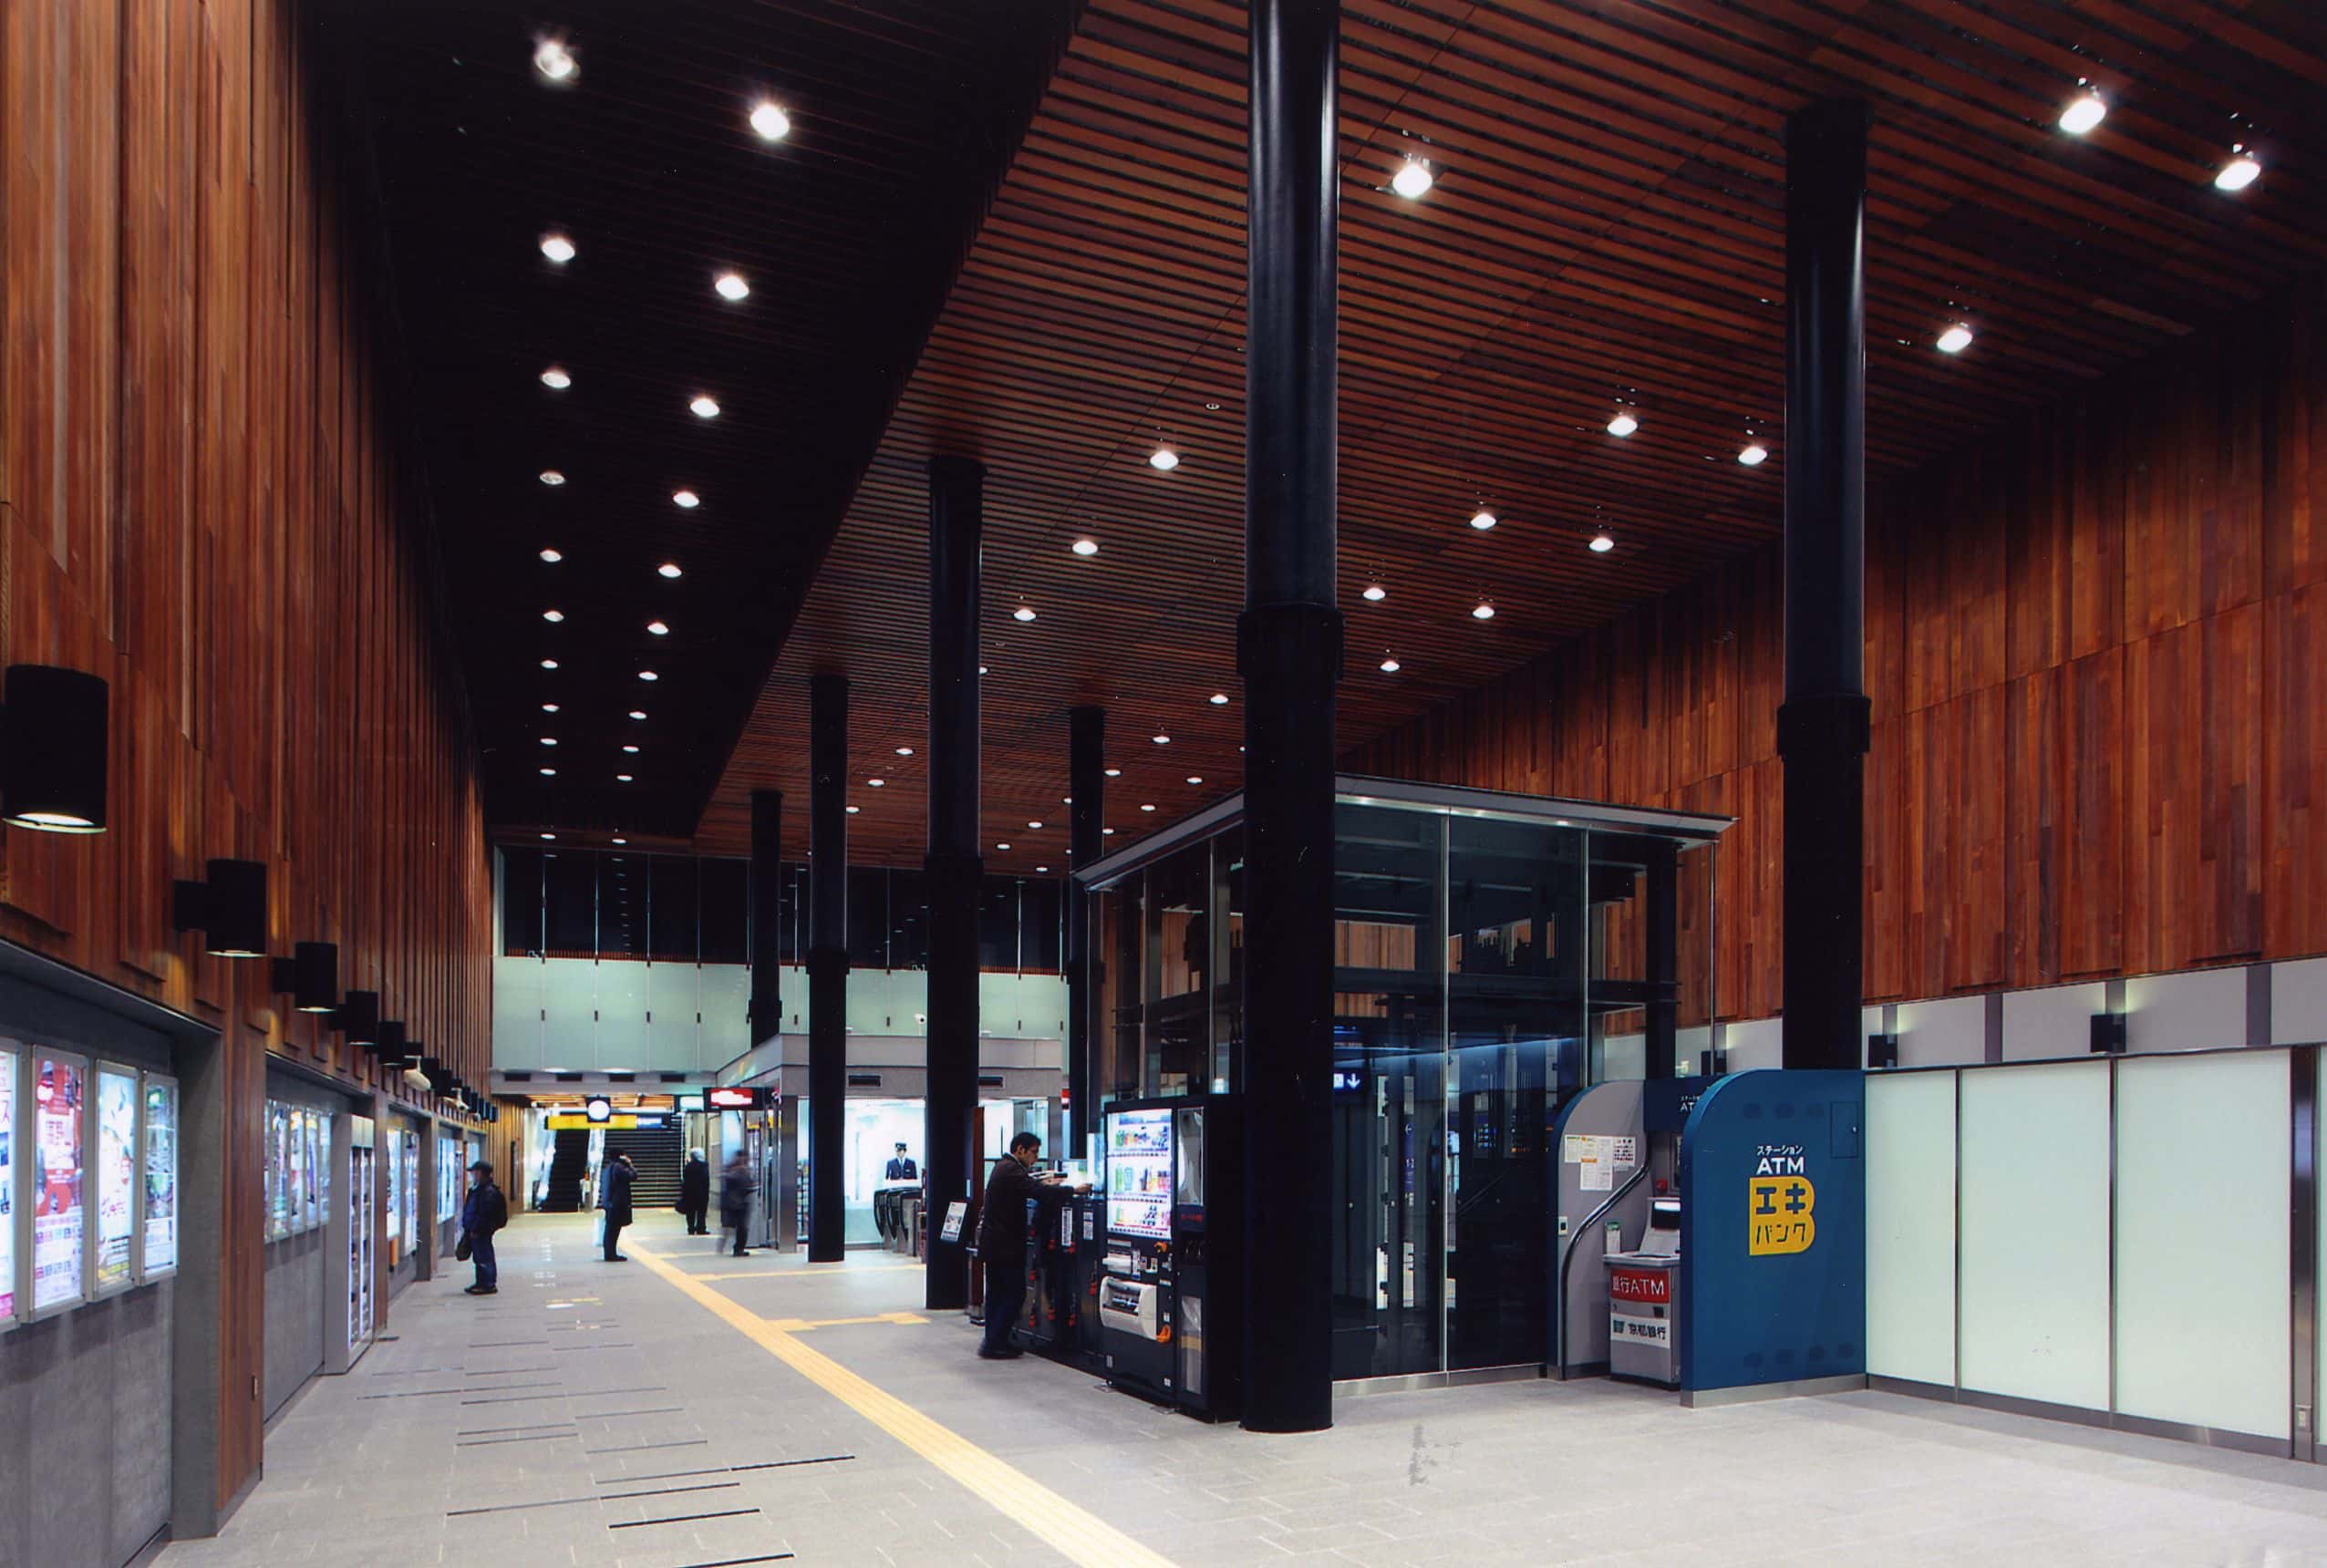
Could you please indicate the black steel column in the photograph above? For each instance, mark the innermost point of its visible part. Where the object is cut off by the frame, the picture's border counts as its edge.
(1087, 783)
(1288, 649)
(1822, 726)
(1662, 912)
(954, 868)
(827, 965)
(766, 1011)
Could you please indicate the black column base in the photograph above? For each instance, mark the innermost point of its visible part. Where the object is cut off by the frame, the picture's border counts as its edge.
(1823, 740)
(949, 1160)
(1290, 657)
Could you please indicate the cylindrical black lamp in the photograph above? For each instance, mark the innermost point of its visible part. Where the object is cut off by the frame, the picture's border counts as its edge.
(228, 906)
(311, 974)
(52, 755)
(358, 1017)
(391, 1044)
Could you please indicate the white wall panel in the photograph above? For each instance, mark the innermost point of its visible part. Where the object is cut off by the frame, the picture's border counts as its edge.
(1911, 1226)
(1945, 1033)
(2035, 1221)
(2055, 1021)
(2298, 1007)
(2197, 1009)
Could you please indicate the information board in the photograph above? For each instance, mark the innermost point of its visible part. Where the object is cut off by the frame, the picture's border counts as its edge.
(1138, 1173)
(10, 1059)
(58, 1084)
(117, 1178)
(160, 1177)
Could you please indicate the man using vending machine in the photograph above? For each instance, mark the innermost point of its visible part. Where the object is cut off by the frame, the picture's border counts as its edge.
(1001, 1240)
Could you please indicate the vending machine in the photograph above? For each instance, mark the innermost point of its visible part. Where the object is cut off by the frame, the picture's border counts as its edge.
(1171, 1276)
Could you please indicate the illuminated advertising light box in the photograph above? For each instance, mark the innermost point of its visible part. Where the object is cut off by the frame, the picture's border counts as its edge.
(112, 1267)
(58, 1179)
(160, 1197)
(1138, 1173)
(10, 1058)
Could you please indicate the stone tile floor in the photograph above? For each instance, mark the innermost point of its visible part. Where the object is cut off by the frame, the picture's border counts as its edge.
(593, 1414)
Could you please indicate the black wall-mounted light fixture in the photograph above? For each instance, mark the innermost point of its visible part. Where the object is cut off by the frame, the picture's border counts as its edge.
(1882, 1050)
(311, 976)
(228, 906)
(52, 750)
(394, 1052)
(2109, 1034)
(358, 1017)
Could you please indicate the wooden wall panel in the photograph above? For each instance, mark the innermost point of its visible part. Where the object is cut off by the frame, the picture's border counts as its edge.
(2093, 651)
(199, 499)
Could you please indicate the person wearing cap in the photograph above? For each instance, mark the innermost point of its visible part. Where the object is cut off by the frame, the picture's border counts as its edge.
(483, 1213)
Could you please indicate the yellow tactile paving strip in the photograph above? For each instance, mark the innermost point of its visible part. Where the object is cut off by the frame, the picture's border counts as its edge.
(1075, 1533)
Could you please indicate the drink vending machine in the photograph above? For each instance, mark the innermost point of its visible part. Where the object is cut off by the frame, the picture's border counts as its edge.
(1171, 1278)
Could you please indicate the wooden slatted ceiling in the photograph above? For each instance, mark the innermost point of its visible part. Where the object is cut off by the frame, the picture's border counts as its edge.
(1607, 228)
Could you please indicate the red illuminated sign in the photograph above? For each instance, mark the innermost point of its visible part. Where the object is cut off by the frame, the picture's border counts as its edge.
(738, 1100)
(1639, 1284)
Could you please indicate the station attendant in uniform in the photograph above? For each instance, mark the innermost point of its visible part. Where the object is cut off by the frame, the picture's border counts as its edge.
(1001, 1240)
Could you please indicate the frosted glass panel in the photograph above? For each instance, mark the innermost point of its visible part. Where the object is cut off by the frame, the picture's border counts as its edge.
(1911, 1226)
(723, 993)
(570, 997)
(622, 1016)
(671, 1007)
(2035, 1286)
(2202, 1216)
(517, 1014)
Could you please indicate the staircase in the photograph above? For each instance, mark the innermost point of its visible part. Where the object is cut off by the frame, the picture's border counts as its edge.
(567, 1163)
(656, 1153)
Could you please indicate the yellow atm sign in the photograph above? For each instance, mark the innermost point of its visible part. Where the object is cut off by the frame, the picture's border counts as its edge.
(575, 1121)
(1780, 1215)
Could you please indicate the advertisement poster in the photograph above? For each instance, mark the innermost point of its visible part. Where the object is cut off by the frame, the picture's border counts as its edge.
(278, 1171)
(116, 1175)
(392, 1179)
(310, 1169)
(446, 1204)
(161, 1178)
(411, 1141)
(57, 1195)
(7, 1185)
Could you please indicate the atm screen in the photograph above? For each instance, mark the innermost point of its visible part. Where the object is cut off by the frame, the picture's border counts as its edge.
(1664, 1214)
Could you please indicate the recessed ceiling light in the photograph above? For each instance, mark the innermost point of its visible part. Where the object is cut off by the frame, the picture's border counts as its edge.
(730, 286)
(658, 628)
(648, 676)
(1085, 547)
(981, 669)
(555, 379)
(1147, 807)
(876, 783)
(1195, 778)
(2239, 173)
(703, 406)
(854, 809)
(1163, 458)
(1753, 455)
(549, 740)
(904, 751)
(1483, 519)
(637, 713)
(2082, 113)
(668, 569)
(1376, 592)
(552, 477)
(1113, 772)
(1219, 699)
(770, 121)
(1602, 543)
(631, 749)
(549, 663)
(1623, 424)
(549, 707)
(1021, 614)
(621, 841)
(557, 247)
(553, 60)
(1001, 846)
(549, 835)
(621, 778)
(1065, 800)
(1955, 339)
(551, 554)
(1106, 832)
(1483, 611)
(552, 616)
(1042, 868)
(1037, 826)
(1390, 666)
(1413, 179)
(686, 499)
(549, 772)
(1162, 741)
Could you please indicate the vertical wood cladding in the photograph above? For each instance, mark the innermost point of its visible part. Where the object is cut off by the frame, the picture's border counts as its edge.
(199, 499)
(2093, 646)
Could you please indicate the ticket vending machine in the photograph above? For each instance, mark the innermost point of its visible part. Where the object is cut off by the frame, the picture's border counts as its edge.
(1170, 1281)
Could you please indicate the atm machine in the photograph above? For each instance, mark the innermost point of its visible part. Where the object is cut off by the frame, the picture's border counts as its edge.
(1616, 1195)
(1170, 1278)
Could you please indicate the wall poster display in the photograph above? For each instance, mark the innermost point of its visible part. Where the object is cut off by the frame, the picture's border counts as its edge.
(160, 1198)
(392, 1197)
(278, 1171)
(58, 1085)
(447, 1177)
(311, 1126)
(411, 1143)
(115, 1141)
(10, 1058)
(362, 1229)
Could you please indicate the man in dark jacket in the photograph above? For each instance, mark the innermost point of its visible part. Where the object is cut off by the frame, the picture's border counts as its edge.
(484, 1212)
(614, 1201)
(1001, 1241)
(694, 1193)
(737, 1186)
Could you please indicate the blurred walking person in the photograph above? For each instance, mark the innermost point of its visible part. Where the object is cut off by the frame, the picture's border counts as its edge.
(737, 1186)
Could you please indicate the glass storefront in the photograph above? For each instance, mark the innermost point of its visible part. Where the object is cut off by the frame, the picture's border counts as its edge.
(1495, 956)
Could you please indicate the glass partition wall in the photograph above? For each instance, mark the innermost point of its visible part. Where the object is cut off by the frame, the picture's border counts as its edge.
(1495, 956)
